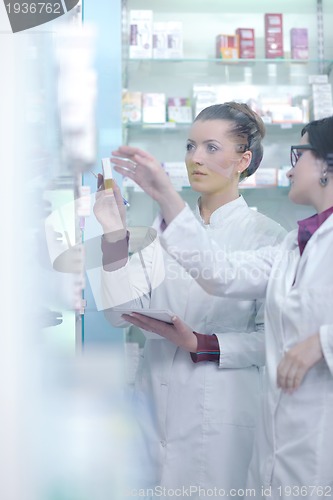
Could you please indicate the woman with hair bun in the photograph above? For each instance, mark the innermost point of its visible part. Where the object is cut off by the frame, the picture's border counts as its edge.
(293, 452)
(197, 410)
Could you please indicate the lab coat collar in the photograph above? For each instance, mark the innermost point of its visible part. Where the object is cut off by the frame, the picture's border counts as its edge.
(222, 212)
(307, 227)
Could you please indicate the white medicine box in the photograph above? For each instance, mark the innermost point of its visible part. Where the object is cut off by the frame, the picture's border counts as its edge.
(141, 34)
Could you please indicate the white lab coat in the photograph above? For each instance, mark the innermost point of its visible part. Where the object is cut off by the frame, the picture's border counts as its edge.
(294, 439)
(198, 419)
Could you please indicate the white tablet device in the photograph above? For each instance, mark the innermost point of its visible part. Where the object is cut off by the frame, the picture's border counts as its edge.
(161, 315)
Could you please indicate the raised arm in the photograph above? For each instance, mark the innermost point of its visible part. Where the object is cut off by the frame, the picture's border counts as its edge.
(148, 173)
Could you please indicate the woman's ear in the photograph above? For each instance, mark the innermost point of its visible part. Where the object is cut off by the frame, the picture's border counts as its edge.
(245, 161)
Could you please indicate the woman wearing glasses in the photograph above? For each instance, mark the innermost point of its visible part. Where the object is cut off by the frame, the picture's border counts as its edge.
(198, 419)
(293, 454)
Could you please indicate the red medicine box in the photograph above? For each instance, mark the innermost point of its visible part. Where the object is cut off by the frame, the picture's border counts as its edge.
(246, 43)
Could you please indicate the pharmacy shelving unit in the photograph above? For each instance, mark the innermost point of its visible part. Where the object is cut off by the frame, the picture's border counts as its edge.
(249, 80)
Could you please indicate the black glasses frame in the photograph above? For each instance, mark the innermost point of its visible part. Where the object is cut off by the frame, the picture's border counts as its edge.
(295, 155)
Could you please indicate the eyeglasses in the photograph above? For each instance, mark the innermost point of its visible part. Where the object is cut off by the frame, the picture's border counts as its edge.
(297, 151)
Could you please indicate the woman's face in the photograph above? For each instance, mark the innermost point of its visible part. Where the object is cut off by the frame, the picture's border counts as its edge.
(304, 177)
(213, 156)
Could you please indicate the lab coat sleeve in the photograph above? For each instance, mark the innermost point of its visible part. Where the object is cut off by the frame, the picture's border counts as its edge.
(326, 339)
(131, 286)
(241, 350)
(242, 275)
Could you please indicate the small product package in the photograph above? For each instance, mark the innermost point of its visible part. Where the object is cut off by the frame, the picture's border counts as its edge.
(153, 108)
(160, 40)
(273, 36)
(227, 47)
(299, 44)
(179, 110)
(131, 106)
(141, 34)
(246, 42)
(175, 39)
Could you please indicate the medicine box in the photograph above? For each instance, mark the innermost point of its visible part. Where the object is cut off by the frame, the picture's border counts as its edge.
(141, 34)
(273, 36)
(179, 110)
(299, 44)
(153, 108)
(227, 47)
(131, 106)
(160, 40)
(266, 177)
(175, 39)
(246, 43)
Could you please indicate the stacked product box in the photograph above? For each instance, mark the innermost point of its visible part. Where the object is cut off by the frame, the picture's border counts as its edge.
(179, 110)
(227, 47)
(175, 39)
(160, 40)
(246, 43)
(131, 106)
(168, 40)
(266, 177)
(204, 96)
(299, 43)
(273, 36)
(178, 174)
(321, 96)
(141, 34)
(280, 109)
(283, 180)
(153, 108)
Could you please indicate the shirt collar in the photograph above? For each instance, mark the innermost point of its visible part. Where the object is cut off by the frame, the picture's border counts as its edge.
(222, 212)
(307, 227)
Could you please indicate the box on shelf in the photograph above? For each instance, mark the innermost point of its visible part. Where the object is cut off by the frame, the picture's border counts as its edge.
(131, 106)
(246, 43)
(175, 39)
(280, 109)
(317, 79)
(248, 182)
(273, 36)
(153, 108)
(266, 177)
(283, 180)
(160, 40)
(287, 114)
(179, 110)
(178, 174)
(227, 47)
(204, 96)
(322, 104)
(141, 34)
(299, 43)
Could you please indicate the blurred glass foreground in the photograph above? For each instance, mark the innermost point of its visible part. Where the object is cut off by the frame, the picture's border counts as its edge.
(66, 429)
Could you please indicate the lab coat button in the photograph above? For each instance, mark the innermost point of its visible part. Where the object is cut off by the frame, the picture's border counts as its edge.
(163, 443)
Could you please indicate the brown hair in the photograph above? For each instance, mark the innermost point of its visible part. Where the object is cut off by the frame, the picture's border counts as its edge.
(247, 123)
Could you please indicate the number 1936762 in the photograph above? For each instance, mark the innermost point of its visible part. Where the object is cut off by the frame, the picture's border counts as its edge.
(34, 8)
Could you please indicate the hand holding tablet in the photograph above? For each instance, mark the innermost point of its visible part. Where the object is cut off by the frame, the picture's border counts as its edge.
(162, 324)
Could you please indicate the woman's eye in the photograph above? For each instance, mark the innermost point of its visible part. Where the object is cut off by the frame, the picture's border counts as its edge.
(189, 147)
(211, 148)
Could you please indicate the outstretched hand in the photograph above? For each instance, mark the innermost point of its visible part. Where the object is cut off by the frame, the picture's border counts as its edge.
(297, 362)
(143, 169)
(178, 332)
(147, 172)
